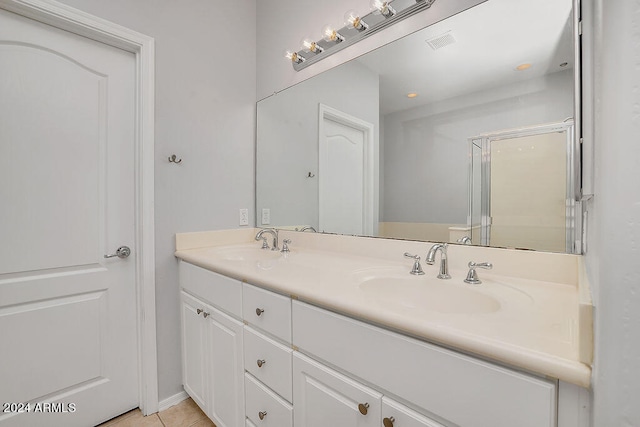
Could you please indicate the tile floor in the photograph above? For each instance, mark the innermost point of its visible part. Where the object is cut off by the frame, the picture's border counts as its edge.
(184, 414)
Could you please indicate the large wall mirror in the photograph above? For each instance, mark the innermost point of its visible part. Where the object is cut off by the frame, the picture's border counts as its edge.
(464, 131)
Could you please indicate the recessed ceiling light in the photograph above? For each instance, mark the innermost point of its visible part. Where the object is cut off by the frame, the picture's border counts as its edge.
(523, 67)
(412, 95)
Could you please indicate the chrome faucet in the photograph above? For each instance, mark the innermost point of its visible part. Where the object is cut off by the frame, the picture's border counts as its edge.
(465, 240)
(271, 231)
(444, 265)
(308, 227)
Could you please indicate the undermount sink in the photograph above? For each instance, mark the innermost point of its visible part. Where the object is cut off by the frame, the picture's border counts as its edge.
(424, 293)
(247, 254)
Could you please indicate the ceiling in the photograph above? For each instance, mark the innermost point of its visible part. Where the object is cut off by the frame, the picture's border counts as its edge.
(491, 40)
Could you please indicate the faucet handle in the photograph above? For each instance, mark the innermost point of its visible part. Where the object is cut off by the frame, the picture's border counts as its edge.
(465, 240)
(285, 245)
(265, 245)
(472, 275)
(416, 270)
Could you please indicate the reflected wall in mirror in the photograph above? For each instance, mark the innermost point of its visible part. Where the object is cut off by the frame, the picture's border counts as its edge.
(349, 151)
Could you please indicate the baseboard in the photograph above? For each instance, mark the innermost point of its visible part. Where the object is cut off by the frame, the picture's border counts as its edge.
(172, 400)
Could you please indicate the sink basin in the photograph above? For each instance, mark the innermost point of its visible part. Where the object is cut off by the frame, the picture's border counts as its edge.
(262, 259)
(247, 254)
(427, 294)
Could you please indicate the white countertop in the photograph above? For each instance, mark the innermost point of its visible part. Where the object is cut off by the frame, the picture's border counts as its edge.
(533, 324)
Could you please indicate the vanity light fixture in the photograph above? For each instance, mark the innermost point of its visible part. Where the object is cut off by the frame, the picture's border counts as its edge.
(412, 95)
(382, 7)
(330, 34)
(294, 57)
(355, 28)
(311, 46)
(352, 19)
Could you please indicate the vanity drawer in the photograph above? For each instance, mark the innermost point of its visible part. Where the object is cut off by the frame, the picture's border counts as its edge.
(259, 399)
(216, 289)
(268, 311)
(458, 388)
(269, 361)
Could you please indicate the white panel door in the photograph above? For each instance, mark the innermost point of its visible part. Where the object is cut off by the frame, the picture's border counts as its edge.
(67, 315)
(341, 178)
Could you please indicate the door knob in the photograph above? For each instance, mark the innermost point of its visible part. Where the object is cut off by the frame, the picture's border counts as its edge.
(259, 311)
(261, 362)
(262, 414)
(121, 252)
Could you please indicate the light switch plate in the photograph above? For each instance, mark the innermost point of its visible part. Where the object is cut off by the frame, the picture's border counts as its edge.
(266, 216)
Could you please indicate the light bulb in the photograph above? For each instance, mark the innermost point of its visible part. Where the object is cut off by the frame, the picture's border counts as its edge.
(309, 45)
(331, 35)
(293, 56)
(352, 19)
(382, 7)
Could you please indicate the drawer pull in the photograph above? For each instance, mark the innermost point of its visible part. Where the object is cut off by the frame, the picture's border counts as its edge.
(388, 422)
(259, 311)
(262, 414)
(261, 362)
(363, 408)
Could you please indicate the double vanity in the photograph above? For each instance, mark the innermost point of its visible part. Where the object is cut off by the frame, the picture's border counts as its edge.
(337, 331)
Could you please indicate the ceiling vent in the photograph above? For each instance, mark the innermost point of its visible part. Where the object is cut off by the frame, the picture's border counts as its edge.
(441, 41)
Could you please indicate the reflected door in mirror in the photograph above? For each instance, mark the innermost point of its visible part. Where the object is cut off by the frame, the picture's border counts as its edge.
(345, 173)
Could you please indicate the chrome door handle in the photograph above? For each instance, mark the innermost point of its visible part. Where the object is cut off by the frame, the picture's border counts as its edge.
(121, 252)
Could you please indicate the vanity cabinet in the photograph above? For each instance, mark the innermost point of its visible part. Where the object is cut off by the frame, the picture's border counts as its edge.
(194, 348)
(285, 363)
(454, 387)
(324, 397)
(267, 357)
(395, 414)
(212, 347)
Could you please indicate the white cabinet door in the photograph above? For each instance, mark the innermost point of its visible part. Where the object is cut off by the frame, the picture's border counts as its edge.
(225, 367)
(212, 361)
(323, 397)
(395, 414)
(193, 349)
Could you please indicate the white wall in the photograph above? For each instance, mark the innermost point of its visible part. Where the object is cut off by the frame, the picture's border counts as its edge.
(430, 144)
(205, 114)
(287, 143)
(613, 257)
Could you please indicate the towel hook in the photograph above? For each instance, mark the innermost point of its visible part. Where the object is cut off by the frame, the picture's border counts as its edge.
(172, 159)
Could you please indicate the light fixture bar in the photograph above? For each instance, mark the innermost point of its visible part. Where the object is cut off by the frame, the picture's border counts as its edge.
(348, 35)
